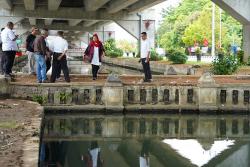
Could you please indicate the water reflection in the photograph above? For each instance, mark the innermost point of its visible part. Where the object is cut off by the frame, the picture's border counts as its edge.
(145, 140)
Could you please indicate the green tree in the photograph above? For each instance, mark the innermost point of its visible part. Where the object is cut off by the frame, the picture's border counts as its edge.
(191, 21)
(176, 20)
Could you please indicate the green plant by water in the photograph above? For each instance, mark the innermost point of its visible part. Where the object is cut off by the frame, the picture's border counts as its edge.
(225, 65)
(39, 99)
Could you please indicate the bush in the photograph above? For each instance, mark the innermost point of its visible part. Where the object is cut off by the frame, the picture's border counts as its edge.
(177, 57)
(226, 65)
(114, 53)
(240, 55)
(154, 56)
(111, 49)
(110, 44)
(39, 99)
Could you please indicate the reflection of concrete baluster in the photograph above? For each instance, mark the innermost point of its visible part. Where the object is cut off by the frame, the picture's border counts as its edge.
(92, 126)
(98, 127)
(62, 126)
(246, 127)
(148, 128)
(50, 126)
(85, 126)
(228, 127)
(142, 126)
(235, 127)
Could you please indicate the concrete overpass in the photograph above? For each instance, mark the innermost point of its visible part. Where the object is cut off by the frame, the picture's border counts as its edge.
(90, 15)
(77, 15)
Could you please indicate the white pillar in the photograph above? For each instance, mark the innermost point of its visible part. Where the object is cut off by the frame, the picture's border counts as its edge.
(213, 31)
(246, 42)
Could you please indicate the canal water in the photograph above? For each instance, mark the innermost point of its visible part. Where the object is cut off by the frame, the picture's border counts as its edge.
(81, 140)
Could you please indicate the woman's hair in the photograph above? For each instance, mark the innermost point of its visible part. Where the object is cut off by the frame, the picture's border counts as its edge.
(93, 145)
(44, 31)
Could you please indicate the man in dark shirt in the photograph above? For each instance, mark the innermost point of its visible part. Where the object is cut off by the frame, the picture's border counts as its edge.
(30, 49)
(40, 51)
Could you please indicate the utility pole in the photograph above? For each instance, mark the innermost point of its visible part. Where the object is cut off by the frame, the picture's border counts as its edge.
(220, 28)
(213, 30)
(140, 31)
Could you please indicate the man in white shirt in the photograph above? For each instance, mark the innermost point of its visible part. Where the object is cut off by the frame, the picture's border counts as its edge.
(59, 47)
(9, 47)
(145, 57)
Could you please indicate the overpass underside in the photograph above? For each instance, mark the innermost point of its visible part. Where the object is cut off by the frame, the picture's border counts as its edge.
(75, 17)
(79, 16)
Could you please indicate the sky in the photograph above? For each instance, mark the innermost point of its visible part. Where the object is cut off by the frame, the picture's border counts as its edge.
(158, 17)
(198, 155)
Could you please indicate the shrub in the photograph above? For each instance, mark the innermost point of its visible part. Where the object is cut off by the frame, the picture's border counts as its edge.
(226, 65)
(240, 55)
(154, 56)
(39, 99)
(111, 49)
(177, 57)
(110, 44)
(114, 53)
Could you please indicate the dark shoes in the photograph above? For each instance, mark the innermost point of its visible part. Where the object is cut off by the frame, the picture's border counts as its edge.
(8, 75)
(94, 78)
(45, 81)
(146, 80)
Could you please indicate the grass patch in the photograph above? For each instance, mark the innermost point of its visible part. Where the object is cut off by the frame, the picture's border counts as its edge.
(8, 125)
(197, 63)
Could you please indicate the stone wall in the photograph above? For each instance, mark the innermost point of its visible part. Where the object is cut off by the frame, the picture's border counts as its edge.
(114, 95)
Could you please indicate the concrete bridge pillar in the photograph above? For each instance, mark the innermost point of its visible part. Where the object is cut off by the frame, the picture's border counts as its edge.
(246, 42)
(4, 87)
(113, 94)
(207, 93)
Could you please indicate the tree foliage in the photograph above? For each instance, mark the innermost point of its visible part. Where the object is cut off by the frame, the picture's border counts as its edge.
(191, 22)
(111, 50)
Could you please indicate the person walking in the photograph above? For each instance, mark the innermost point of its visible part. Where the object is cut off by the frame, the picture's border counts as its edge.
(59, 48)
(95, 52)
(30, 49)
(9, 47)
(40, 50)
(145, 57)
(1, 55)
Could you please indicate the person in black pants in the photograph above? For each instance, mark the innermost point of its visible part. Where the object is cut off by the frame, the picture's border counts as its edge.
(145, 57)
(58, 62)
(95, 52)
(1, 56)
(9, 47)
(60, 47)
